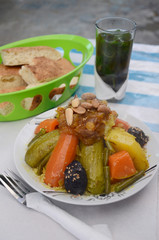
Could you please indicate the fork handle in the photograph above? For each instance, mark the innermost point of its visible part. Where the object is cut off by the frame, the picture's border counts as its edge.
(73, 225)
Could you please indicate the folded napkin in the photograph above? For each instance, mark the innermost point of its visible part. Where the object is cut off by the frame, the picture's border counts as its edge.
(73, 225)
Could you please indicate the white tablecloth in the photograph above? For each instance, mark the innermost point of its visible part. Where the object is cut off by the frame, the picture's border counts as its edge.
(132, 218)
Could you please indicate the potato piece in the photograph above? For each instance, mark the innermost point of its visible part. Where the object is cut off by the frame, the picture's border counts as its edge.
(122, 140)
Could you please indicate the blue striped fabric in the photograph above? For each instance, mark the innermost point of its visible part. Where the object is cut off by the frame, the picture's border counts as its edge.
(145, 97)
(142, 56)
(136, 99)
(150, 77)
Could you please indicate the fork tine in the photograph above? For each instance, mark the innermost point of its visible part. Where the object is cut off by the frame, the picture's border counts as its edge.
(17, 186)
(14, 185)
(6, 185)
(20, 181)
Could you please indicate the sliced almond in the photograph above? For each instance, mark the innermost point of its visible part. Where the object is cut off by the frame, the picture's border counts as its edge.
(69, 116)
(88, 96)
(86, 105)
(103, 108)
(79, 110)
(95, 103)
(75, 102)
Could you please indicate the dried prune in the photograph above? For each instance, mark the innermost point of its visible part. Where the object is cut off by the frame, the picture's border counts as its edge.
(75, 178)
(140, 136)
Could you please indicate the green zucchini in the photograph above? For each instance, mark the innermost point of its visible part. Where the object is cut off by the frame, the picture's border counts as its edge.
(40, 148)
(39, 134)
(92, 161)
(43, 163)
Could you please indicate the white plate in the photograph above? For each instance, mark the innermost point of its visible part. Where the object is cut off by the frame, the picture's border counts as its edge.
(26, 134)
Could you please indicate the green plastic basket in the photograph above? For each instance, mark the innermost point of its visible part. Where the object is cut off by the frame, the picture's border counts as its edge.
(67, 43)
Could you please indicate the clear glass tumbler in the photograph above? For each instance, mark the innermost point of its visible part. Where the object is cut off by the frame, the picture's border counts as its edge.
(114, 40)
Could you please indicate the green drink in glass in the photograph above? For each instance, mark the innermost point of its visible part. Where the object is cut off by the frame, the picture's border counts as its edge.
(114, 40)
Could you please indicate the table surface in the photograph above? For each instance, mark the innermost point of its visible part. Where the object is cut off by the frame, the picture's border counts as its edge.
(132, 218)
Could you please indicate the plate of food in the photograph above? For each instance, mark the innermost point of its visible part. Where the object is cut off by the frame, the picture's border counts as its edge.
(86, 153)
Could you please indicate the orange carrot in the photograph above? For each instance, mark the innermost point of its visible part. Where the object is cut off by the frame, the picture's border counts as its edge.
(122, 124)
(48, 124)
(121, 165)
(62, 155)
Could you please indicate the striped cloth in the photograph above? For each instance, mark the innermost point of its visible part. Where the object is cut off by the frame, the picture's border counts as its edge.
(142, 95)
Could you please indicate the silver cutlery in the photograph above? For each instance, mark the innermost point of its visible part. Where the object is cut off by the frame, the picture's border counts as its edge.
(25, 195)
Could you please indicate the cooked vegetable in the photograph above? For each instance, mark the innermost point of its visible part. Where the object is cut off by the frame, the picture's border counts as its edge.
(75, 178)
(126, 183)
(122, 140)
(107, 179)
(62, 155)
(139, 135)
(43, 163)
(39, 134)
(40, 148)
(109, 146)
(122, 124)
(106, 156)
(121, 165)
(48, 124)
(92, 161)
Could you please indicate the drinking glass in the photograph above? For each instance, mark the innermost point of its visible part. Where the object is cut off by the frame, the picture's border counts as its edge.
(114, 41)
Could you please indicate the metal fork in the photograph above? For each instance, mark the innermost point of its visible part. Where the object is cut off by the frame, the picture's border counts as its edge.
(28, 197)
(15, 185)
(19, 188)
